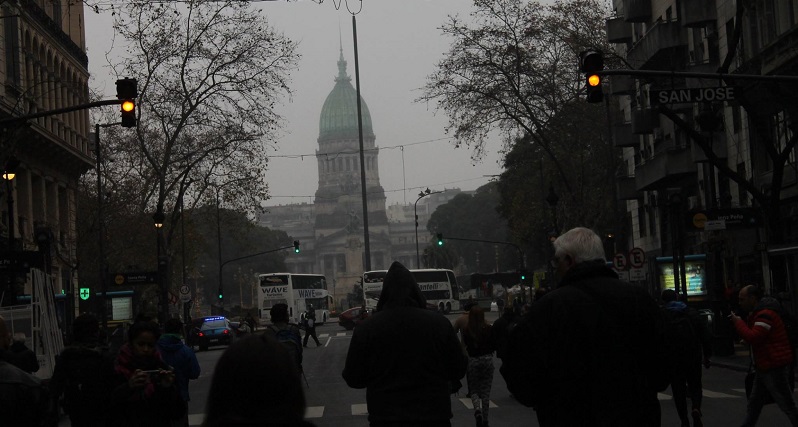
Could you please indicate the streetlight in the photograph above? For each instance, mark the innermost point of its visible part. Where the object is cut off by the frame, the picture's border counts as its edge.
(421, 195)
(9, 173)
(552, 200)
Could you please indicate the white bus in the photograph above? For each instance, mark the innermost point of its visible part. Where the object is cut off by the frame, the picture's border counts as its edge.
(295, 290)
(438, 286)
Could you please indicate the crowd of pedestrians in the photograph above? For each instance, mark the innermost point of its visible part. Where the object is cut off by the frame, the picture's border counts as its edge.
(560, 354)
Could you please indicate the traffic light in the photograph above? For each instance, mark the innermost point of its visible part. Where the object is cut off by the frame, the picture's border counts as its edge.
(221, 294)
(591, 62)
(296, 246)
(440, 239)
(127, 91)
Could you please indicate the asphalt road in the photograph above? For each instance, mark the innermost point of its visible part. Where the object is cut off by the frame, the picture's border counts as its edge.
(332, 404)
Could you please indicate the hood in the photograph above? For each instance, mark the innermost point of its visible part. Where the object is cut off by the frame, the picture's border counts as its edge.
(170, 343)
(676, 306)
(767, 303)
(399, 289)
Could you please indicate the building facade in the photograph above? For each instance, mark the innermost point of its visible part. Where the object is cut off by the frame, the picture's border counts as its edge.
(715, 180)
(44, 68)
(331, 228)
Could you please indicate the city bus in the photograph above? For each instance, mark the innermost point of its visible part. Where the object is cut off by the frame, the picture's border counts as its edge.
(438, 286)
(296, 291)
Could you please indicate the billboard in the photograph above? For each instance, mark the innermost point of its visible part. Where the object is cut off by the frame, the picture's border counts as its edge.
(695, 272)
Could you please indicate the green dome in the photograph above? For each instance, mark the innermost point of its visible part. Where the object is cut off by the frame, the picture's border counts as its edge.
(339, 114)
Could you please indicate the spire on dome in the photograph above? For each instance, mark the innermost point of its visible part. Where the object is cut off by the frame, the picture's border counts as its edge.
(342, 76)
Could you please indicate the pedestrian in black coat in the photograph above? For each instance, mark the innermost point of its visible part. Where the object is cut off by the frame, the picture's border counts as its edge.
(405, 356)
(590, 352)
(23, 357)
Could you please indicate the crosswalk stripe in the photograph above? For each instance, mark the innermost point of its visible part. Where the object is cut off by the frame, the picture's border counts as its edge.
(341, 334)
(324, 335)
(314, 412)
(195, 419)
(360, 409)
(470, 405)
(707, 393)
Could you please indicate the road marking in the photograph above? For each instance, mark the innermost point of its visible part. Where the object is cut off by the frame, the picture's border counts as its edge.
(328, 342)
(196, 419)
(718, 395)
(360, 409)
(470, 405)
(324, 335)
(314, 412)
(341, 334)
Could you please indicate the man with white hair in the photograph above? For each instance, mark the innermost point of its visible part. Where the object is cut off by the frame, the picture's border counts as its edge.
(22, 396)
(588, 353)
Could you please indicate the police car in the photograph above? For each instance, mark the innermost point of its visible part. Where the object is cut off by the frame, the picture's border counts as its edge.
(210, 331)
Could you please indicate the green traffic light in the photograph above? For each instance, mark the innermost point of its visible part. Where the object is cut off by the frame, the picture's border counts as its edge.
(440, 239)
(296, 246)
(220, 296)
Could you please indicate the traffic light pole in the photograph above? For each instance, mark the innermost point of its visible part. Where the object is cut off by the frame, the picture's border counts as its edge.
(720, 76)
(221, 266)
(61, 110)
(520, 252)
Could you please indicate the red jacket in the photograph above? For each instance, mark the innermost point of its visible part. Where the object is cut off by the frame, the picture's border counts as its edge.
(767, 335)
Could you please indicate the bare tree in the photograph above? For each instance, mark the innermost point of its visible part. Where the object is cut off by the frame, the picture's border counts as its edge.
(210, 75)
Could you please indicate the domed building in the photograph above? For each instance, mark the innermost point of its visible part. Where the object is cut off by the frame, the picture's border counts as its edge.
(331, 229)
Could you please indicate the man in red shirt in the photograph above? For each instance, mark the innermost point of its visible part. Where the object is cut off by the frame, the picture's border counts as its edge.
(765, 332)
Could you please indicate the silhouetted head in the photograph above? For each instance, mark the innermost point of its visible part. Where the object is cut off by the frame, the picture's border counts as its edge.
(173, 326)
(575, 246)
(259, 368)
(669, 295)
(279, 313)
(399, 289)
(85, 328)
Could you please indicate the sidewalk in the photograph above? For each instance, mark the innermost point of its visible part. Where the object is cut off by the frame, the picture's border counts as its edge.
(739, 361)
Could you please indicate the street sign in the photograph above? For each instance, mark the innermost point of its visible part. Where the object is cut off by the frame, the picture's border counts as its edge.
(690, 95)
(623, 275)
(85, 293)
(185, 293)
(136, 278)
(733, 219)
(637, 275)
(619, 261)
(19, 261)
(637, 257)
(713, 225)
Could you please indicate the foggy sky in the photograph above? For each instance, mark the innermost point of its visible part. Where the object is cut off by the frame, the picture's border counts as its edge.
(399, 44)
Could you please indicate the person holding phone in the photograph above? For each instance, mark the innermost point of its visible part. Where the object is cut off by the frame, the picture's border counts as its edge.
(145, 392)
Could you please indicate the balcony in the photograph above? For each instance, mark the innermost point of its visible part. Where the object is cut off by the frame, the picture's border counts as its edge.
(618, 30)
(668, 168)
(644, 121)
(780, 53)
(626, 188)
(622, 136)
(622, 85)
(697, 13)
(661, 48)
(637, 10)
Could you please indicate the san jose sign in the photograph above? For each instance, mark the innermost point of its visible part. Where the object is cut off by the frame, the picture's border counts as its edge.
(685, 96)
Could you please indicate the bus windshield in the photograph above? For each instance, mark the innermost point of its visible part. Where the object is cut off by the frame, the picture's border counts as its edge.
(439, 287)
(297, 291)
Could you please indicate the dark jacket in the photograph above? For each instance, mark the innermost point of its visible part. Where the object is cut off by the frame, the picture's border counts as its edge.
(153, 406)
(84, 375)
(589, 353)
(182, 360)
(698, 344)
(481, 345)
(22, 398)
(405, 356)
(500, 331)
(23, 357)
(765, 332)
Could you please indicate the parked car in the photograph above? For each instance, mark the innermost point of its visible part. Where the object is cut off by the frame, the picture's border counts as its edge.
(349, 319)
(210, 331)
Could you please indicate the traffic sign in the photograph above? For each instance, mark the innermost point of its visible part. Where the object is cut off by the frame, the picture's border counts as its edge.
(85, 293)
(19, 261)
(690, 95)
(637, 257)
(185, 293)
(136, 278)
(619, 261)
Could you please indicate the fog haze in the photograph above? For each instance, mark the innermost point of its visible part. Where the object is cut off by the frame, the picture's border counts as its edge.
(399, 43)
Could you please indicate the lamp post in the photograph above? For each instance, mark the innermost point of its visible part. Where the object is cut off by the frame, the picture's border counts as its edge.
(158, 220)
(9, 173)
(421, 195)
(552, 200)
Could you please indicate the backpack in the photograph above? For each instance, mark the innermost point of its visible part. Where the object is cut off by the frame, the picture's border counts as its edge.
(790, 324)
(290, 341)
(681, 341)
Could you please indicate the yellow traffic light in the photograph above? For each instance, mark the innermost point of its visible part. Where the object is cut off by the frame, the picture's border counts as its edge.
(128, 106)
(594, 80)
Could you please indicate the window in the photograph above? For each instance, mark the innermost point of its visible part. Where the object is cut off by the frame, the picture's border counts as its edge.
(12, 47)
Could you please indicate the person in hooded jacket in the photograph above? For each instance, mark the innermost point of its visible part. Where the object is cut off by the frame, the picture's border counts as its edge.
(764, 330)
(84, 375)
(405, 356)
(181, 358)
